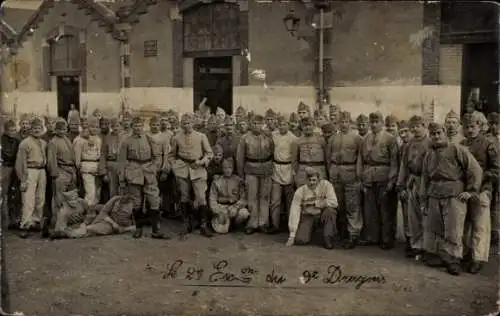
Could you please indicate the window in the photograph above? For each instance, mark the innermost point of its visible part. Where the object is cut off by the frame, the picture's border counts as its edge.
(150, 48)
(64, 54)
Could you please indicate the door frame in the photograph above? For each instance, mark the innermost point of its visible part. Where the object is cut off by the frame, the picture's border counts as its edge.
(55, 82)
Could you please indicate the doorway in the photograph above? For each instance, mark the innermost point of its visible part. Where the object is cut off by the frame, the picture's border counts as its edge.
(480, 71)
(68, 92)
(213, 79)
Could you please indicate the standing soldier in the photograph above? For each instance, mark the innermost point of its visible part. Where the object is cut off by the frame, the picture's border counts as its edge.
(30, 168)
(10, 146)
(163, 142)
(87, 150)
(61, 170)
(328, 130)
(164, 123)
(73, 114)
(294, 124)
(50, 124)
(494, 135)
(334, 113)
(126, 124)
(74, 129)
(391, 124)
(104, 126)
(189, 156)
(109, 167)
(138, 162)
(450, 177)
(362, 125)
(254, 163)
(342, 154)
(378, 168)
(303, 111)
(229, 142)
(271, 121)
(211, 130)
(478, 227)
(408, 185)
(310, 153)
(452, 125)
(24, 126)
(240, 114)
(285, 147)
(242, 126)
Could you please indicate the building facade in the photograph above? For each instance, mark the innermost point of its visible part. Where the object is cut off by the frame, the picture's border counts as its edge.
(395, 56)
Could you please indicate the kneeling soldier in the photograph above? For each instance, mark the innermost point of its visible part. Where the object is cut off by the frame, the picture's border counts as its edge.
(312, 201)
(227, 199)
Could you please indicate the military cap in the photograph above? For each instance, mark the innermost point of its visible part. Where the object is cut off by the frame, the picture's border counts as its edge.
(328, 128)
(24, 117)
(362, 119)
(416, 119)
(345, 115)
(433, 127)
(137, 120)
(36, 122)
(241, 110)
(391, 119)
(154, 119)
(61, 124)
(452, 114)
(281, 118)
(311, 172)
(228, 120)
(307, 120)
(257, 118)
(187, 117)
(403, 124)
(9, 123)
(270, 113)
(294, 117)
(375, 116)
(302, 107)
(493, 118)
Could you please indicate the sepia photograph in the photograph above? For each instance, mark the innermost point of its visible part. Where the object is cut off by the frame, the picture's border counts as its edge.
(249, 157)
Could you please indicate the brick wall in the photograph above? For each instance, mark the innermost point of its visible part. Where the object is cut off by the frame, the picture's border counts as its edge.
(430, 46)
(450, 66)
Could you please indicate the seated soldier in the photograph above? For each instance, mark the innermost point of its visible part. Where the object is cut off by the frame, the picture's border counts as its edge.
(227, 199)
(73, 211)
(313, 201)
(114, 217)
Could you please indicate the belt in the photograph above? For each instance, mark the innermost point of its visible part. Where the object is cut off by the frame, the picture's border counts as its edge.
(377, 164)
(344, 164)
(312, 163)
(258, 160)
(111, 159)
(90, 160)
(226, 203)
(36, 167)
(140, 161)
(282, 162)
(187, 160)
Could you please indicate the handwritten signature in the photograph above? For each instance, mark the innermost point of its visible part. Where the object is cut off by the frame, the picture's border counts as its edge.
(222, 273)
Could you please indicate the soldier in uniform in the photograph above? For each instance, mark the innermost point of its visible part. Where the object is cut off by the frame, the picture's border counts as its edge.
(334, 113)
(126, 122)
(285, 148)
(109, 167)
(391, 124)
(138, 160)
(73, 114)
(61, 169)
(362, 124)
(494, 135)
(240, 114)
(87, 150)
(328, 130)
(10, 184)
(378, 168)
(450, 177)
(294, 124)
(104, 125)
(408, 185)
(24, 127)
(227, 199)
(310, 153)
(342, 153)
(189, 157)
(271, 121)
(313, 201)
(254, 163)
(30, 169)
(453, 130)
(50, 124)
(242, 126)
(478, 227)
(229, 142)
(74, 129)
(211, 130)
(303, 111)
(164, 123)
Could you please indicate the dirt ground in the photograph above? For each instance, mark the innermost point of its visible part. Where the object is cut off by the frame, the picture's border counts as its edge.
(118, 275)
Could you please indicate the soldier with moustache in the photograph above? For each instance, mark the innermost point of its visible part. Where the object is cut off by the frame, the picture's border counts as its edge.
(362, 125)
(10, 182)
(453, 128)
(189, 156)
(138, 160)
(478, 224)
(408, 185)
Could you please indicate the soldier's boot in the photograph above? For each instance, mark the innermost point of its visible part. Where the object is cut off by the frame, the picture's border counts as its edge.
(186, 218)
(155, 225)
(409, 253)
(351, 242)
(453, 267)
(45, 227)
(205, 229)
(139, 222)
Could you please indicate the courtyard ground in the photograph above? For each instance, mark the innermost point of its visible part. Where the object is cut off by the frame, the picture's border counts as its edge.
(118, 275)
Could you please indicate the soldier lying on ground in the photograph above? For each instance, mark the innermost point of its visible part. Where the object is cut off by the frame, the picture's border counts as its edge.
(227, 199)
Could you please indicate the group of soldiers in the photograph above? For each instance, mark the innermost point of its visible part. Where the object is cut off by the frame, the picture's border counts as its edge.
(88, 176)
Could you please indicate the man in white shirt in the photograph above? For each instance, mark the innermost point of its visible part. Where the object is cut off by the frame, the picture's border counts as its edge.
(285, 147)
(313, 201)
